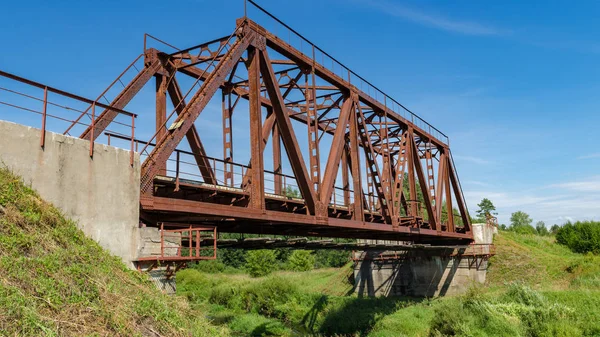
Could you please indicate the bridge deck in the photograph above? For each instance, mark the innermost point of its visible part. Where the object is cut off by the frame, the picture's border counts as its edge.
(194, 202)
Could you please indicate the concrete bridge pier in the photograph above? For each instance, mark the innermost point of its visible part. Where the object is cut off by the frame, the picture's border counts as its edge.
(424, 271)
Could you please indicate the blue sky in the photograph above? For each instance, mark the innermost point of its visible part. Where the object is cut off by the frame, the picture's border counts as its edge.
(514, 85)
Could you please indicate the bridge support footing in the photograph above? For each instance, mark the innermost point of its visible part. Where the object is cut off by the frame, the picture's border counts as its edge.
(425, 272)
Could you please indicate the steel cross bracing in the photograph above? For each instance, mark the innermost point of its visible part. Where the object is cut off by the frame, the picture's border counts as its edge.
(361, 169)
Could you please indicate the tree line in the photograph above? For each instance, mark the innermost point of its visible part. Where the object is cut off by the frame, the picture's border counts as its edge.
(580, 237)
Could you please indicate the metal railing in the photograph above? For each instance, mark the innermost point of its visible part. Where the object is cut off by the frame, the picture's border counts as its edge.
(185, 244)
(58, 108)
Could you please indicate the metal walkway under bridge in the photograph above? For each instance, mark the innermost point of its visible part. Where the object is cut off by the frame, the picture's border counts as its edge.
(299, 145)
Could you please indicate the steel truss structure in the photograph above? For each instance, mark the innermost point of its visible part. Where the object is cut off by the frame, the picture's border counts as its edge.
(381, 175)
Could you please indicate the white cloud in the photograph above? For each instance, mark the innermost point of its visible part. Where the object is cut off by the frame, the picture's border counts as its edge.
(433, 20)
(590, 185)
(590, 156)
(476, 183)
(558, 203)
(471, 159)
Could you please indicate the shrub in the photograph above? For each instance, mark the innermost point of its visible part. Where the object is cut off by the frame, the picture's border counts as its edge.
(523, 229)
(326, 258)
(260, 262)
(301, 260)
(265, 297)
(580, 237)
(520, 311)
(235, 258)
(209, 266)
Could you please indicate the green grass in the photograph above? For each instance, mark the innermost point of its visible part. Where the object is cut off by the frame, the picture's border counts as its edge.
(541, 263)
(54, 281)
(535, 287)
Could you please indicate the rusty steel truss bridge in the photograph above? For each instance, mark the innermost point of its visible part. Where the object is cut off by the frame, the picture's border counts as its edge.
(330, 155)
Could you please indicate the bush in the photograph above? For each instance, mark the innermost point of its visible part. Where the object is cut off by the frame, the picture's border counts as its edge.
(209, 266)
(523, 229)
(520, 311)
(301, 260)
(326, 258)
(266, 297)
(580, 237)
(230, 257)
(260, 262)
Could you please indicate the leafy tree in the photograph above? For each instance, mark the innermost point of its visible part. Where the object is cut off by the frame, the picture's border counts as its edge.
(420, 199)
(301, 260)
(520, 222)
(458, 222)
(554, 229)
(209, 266)
(486, 209)
(260, 262)
(235, 258)
(291, 192)
(580, 237)
(326, 258)
(541, 229)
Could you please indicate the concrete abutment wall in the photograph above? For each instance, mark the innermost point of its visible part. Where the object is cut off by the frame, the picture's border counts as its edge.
(101, 193)
(422, 272)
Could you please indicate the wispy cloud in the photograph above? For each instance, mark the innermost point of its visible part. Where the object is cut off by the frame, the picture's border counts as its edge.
(557, 203)
(476, 183)
(589, 185)
(590, 156)
(471, 159)
(434, 20)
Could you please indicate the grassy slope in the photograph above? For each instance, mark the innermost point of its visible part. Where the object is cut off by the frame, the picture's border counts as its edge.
(55, 281)
(558, 295)
(559, 275)
(542, 264)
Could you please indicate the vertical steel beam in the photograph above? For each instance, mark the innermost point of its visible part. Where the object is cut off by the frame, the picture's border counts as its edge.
(227, 137)
(345, 178)
(399, 199)
(358, 212)
(161, 114)
(313, 132)
(257, 183)
(277, 169)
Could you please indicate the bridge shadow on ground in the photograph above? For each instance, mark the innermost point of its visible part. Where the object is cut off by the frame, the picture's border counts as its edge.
(351, 316)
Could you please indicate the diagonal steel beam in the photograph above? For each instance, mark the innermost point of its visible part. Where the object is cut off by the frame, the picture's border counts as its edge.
(164, 148)
(423, 183)
(462, 207)
(335, 154)
(124, 97)
(287, 134)
(442, 177)
(373, 168)
(192, 135)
